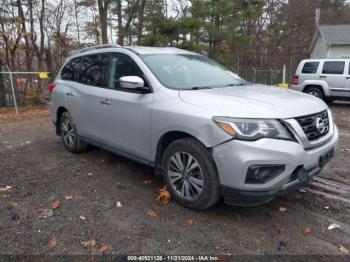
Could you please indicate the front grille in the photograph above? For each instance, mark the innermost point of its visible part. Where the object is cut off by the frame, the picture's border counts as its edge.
(309, 125)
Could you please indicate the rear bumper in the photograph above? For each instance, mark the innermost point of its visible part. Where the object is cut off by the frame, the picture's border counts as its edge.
(296, 88)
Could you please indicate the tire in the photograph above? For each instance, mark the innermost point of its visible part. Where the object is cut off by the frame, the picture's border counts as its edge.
(316, 92)
(196, 186)
(69, 134)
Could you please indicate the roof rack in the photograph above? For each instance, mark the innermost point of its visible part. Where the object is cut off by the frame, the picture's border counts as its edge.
(90, 48)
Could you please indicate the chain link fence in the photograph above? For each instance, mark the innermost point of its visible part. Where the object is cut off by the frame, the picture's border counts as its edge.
(29, 89)
(266, 76)
(32, 90)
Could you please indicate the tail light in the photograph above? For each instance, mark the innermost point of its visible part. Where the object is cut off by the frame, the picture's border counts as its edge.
(51, 87)
(296, 80)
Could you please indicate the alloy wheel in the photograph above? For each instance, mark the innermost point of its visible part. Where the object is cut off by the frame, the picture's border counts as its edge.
(185, 175)
(68, 132)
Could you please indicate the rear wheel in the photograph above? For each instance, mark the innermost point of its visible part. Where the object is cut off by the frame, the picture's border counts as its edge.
(315, 91)
(69, 134)
(190, 174)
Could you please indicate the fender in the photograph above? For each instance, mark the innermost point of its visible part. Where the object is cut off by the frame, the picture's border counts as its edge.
(323, 84)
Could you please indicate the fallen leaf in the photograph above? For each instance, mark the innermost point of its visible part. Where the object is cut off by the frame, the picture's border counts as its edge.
(153, 213)
(282, 209)
(68, 197)
(307, 231)
(103, 249)
(89, 243)
(190, 221)
(147, 182)
(164, 196)
(280, 230)
(56, 204)
(3, 189)
(343, 249)
(52, 242)
(79, 197)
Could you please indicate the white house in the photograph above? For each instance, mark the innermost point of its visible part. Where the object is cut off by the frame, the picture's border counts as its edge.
(331, 41)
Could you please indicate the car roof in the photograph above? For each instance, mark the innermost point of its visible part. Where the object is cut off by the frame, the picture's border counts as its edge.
(326, 59)
(144, 50)
(139, 50)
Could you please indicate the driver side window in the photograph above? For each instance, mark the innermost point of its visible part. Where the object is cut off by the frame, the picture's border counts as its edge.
(122, 65)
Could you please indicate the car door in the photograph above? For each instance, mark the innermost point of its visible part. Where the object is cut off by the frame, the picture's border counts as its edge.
(333, 74)
(68, 79)
(126, 115)
(85, 96)
(347, 79)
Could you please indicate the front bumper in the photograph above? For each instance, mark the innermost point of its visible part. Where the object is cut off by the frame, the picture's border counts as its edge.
(234, 157)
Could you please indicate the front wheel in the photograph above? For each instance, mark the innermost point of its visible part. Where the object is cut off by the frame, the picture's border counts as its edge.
(69, 134)
(190, 174)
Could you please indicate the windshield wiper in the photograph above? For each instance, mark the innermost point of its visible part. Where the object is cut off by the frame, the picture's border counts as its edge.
(239, 84)
(199, 87)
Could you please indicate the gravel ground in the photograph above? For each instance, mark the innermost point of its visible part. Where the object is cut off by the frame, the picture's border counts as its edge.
(89, 186)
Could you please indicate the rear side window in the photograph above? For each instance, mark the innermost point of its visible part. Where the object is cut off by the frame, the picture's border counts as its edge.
(333, 68)
(310, 67)
(71, 69)
(93, 70)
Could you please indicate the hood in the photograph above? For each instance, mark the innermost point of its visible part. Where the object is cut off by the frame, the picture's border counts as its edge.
(254, 101)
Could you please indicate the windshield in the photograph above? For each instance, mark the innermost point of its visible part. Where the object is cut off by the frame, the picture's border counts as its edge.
(186, 71)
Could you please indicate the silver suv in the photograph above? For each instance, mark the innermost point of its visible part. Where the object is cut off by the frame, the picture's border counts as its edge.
(328, 79)
(211, 134)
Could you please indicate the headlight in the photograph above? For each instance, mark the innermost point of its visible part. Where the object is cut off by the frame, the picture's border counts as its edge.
(252, 129)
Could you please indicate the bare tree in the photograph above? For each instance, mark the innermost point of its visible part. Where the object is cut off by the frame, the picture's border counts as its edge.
(103, 12)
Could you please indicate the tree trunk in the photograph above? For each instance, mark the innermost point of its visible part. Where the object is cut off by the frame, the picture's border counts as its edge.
(141, 19)
(102, 9)
(120, 23)
(42, 36)
(2, 88)
(26, 40)
(76, 20)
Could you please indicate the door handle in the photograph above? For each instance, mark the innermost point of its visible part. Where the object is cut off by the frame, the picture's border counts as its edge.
(348, 77)
(70, 93)
(105, 102)
(323, 77)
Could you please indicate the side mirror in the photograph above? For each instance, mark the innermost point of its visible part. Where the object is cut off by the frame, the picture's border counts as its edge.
(131, 82)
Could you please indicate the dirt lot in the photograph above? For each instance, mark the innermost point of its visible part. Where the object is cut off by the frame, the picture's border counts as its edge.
(89, 186)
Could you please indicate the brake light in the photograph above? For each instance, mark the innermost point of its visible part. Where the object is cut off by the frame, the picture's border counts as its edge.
(296, 80)
(51, 87)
